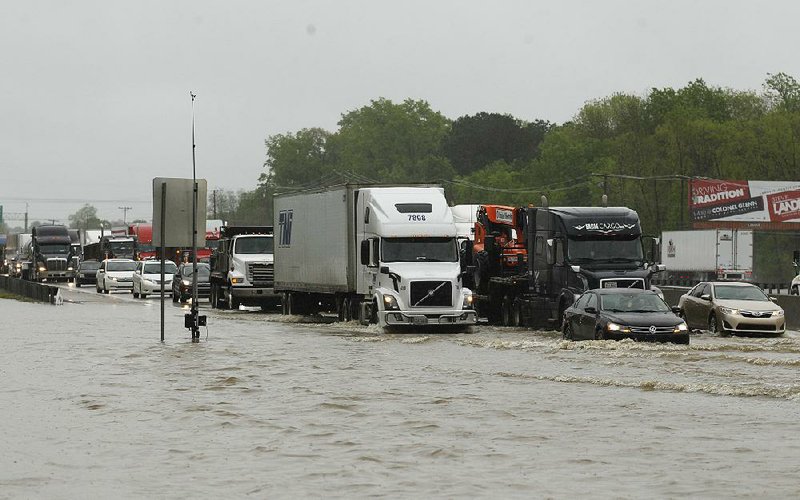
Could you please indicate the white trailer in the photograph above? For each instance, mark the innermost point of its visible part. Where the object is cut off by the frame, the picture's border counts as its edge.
(382, 254)
(708, 254)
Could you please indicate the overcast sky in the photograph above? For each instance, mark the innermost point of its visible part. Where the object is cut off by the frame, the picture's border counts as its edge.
(94, 96)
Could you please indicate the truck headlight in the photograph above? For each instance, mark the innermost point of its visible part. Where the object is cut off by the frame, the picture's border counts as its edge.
(390, 303)
(468, 301)
(236, 281)
(69, 268)
(42, 269)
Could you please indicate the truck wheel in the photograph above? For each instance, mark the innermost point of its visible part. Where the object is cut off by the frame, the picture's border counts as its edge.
(481, 275)
(233, 303)
(345, 311)
(505, 311)
(373, 316)
(516, 316)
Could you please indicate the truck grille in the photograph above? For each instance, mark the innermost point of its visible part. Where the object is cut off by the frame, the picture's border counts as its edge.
(260, 273)
(423, 294)
(56, 264)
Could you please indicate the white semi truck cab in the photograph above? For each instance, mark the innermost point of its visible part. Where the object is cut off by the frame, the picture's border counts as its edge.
(410, 258)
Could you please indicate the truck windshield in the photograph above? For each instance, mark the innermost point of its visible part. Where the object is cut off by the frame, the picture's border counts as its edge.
(121, 247)
(605, 251)
(254, 245)
(419, 249)
(54, 249)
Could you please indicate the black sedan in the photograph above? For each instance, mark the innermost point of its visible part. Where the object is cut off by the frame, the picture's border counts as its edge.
(86, 273)
(182, 282)
(623, 313)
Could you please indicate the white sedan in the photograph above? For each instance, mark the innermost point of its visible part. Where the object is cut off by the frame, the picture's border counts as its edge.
(147, 277)
(115, 274)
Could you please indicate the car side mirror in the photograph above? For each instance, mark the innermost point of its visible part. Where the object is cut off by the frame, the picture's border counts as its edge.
(705, 296)
(774, 299)
(676, 309)
(591, 310)
(384, 269)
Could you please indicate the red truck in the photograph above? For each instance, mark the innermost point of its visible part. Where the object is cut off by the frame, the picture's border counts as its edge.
(143, 233)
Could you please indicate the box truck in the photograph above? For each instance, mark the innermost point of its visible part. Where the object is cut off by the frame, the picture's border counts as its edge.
(381, 254)
(708, 254)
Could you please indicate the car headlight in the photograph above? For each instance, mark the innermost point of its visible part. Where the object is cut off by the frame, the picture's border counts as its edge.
(779, 312)
(681, 328)
(468, 301)
(614, 327)
(189, 283)
(728, 310)
(390, 303)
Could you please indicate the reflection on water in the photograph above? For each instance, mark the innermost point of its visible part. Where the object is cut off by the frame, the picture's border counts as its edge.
(268, 406)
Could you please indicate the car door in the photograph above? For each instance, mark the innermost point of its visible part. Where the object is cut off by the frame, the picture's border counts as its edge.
(691, 306)
(588, 318)
(573, 314)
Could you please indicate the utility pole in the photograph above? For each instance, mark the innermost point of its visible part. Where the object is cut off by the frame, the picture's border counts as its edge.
(214, 196)
(26, 217)
(125, 214)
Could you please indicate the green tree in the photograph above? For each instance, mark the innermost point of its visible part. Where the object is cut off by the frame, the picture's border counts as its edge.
(476, 141)
(85, 218)
(298, 159)
(390, 142)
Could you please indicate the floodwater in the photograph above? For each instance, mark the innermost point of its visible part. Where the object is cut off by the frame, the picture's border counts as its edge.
(93, 405)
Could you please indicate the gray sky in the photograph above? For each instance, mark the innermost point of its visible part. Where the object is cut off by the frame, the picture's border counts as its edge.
(94, 96)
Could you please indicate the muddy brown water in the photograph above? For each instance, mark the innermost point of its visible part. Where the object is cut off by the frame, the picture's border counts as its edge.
(268, 406)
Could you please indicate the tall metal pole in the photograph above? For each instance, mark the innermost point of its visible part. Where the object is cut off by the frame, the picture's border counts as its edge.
(195, 328)
(163, 249)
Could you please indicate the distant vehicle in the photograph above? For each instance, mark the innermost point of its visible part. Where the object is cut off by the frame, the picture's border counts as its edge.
(143, 234)
(794, 288)
(147, 278)
(51, 253)
(729, 308)
(115, 274)
(616, 313)
(3, 259)
(182, 282)
(86, 274)
(111, 247)
(708, 254)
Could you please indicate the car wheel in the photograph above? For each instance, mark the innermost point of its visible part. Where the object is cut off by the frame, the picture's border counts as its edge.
(97, 287)
(143, 295)
(598, 334)
(715, 327)
(135, 294)
(567, 331)
(175, 297)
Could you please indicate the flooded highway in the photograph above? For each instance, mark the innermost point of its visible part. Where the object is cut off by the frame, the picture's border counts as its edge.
(93, 405)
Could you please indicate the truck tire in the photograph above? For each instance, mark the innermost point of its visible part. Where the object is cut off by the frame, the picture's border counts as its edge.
(505, 311)
(480, 276)
(233, 302)
(290, 298)
(516, 314)
(345, 310)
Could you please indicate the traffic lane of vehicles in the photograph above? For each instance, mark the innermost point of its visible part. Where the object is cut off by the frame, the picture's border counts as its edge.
(732, 308)
(617, 314)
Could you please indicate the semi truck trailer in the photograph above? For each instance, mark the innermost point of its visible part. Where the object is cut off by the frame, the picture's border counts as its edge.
(379, 254)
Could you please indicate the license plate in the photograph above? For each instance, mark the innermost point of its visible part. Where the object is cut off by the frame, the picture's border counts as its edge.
(419, 320)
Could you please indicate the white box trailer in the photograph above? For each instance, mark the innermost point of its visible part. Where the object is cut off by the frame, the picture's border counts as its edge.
(708, 254)
(383, 254)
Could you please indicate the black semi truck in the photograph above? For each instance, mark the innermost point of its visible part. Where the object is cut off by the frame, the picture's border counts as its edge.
(568, 250)
(51, 254)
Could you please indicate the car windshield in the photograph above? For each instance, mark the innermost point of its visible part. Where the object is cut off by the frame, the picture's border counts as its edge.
(633, 302)
(54, 249)
(202, 270)
(419, 249)
(727, 292)
(121, 266)
(605, 250)
(254, 245)
(155, 268)
(90, 265)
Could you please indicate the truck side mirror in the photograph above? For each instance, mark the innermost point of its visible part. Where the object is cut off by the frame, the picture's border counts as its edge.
(551, 251)
(384, 269)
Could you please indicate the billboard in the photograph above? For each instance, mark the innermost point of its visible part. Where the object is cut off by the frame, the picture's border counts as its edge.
(720, 203)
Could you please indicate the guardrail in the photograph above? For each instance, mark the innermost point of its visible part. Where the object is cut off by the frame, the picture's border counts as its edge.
(30, 289)
(789, 303)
